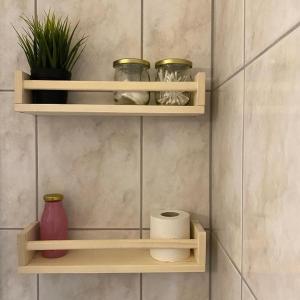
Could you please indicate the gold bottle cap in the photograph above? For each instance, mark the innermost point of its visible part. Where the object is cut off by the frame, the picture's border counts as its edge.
(53, 197)
(138, 61)
(179, 61)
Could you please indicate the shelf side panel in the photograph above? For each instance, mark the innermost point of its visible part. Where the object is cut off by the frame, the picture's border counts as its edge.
(199, 234)
(22, 96)
(30, 233)
(199, 96)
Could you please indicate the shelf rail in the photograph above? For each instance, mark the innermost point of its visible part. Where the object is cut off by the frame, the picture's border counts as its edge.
(23, 86)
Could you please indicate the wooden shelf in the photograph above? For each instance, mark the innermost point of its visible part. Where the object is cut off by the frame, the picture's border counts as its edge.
(108, 256)
(23, 87)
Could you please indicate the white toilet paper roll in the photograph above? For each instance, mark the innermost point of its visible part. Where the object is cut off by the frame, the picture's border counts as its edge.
(170, 224)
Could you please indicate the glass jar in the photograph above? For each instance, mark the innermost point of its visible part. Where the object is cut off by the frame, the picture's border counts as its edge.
(54, 223)
(173, 69)
(131, 69)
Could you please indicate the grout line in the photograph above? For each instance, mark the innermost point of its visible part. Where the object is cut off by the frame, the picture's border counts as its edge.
(242, 157)
(37, 286)
(103, 228)
(226, 252)
(91, 228)
(142, 28)
(141, 286)
(251, 291)
(232, 262)
(230, 77)
(273, 43)
(11, 228)
(210, 149)
(7, 90)
(141, 175)
(36, 171)
(259, 55)
(36, 174)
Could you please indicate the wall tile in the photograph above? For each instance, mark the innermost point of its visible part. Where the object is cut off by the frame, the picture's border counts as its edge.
(176, 166)
(246, 293)
(17, 165)
(266, 20)
(189, 286)
(228, 38)
(13, 286)
(92, 286)
(94, 162)
(12, 56)
(227, 131)
(271, 173)
(89, 286)
(181, 29)
(225, 280)
(114, 31)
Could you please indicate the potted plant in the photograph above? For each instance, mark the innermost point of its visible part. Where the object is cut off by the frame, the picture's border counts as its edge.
(51, 51)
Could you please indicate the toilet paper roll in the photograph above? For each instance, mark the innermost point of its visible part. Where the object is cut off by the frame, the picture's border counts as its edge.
(170, 224)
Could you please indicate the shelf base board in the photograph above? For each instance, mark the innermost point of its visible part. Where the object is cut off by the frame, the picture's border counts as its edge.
(109, 110)
(108, 261)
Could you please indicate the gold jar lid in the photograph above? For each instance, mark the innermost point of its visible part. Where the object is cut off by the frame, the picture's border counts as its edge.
(179, 61)
(53, 197)
(124, 61)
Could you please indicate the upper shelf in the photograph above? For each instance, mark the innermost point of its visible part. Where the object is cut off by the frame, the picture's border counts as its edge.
(23, 86)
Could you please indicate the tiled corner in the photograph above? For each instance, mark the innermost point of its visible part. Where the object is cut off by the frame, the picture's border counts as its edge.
(266, 21)
(13, 286)
(246, 293)
(176, 166)
(12, 56)
(183, 286)
(92, 286)
(225, 279)
(228, 38)
(95, 163)
(271, 172)
(17, 165)
(227, 132)
(114, 31)
(178, 28)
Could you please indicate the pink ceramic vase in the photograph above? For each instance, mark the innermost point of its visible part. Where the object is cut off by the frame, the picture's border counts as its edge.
(54, 223)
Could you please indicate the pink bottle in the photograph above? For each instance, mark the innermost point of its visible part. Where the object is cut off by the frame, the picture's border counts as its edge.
(54, 223)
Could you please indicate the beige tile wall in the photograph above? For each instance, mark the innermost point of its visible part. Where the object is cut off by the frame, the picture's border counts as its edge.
(111, 170)
(255, 146)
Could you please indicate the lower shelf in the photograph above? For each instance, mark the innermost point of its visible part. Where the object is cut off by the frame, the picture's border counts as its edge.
(108, 256)
(108, 261)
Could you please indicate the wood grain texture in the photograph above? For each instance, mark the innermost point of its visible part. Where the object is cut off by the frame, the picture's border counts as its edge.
(108, 256)
(106, 86)
(30, 233)
(112, 244)
(21, 95)
(108, 261)
(109, 110)
(23, 102)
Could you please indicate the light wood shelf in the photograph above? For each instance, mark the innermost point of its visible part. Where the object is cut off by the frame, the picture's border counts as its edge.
(23, 87)
(108, 256)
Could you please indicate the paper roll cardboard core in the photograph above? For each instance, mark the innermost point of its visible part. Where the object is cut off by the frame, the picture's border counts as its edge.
(169, 214)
